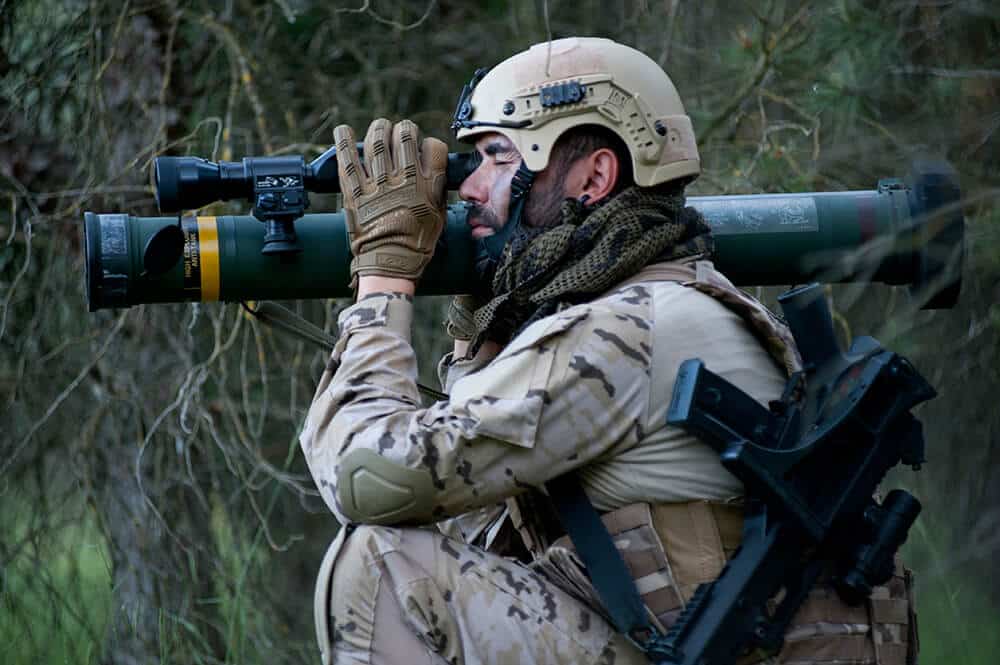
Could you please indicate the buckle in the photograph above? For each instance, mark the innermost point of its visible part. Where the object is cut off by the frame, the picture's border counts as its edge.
(656, 647)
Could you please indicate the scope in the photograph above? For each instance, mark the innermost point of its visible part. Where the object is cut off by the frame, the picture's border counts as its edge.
(186, 183)
(276, 186)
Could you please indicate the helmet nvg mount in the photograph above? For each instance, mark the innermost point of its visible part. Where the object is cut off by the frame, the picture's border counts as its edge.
(533, 97)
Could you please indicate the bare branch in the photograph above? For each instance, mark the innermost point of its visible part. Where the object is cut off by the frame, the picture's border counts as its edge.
(66, 392)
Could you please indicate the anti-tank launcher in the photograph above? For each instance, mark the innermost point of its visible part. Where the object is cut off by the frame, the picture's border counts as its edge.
(902, 233)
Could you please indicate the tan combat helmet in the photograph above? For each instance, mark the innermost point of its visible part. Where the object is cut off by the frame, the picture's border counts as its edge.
(536, 95)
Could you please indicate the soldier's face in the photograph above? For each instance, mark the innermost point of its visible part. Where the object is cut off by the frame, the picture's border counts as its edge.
(487, 190)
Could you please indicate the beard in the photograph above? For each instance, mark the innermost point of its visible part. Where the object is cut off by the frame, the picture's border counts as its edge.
(483, 216)
(543, 208)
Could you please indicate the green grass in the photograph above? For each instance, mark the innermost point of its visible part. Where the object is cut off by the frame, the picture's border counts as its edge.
(959, 625)
(55, 599)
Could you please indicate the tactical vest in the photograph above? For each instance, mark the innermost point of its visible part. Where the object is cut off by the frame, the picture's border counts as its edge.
(669, 549)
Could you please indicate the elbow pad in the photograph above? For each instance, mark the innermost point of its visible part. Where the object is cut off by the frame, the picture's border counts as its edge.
(374, 490)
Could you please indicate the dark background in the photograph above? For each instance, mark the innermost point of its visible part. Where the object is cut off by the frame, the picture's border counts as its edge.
(155, 507)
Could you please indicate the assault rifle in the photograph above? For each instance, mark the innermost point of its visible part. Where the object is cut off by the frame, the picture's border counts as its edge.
(811, 464)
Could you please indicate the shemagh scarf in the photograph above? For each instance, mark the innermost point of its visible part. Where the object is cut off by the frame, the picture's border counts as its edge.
(591, 250)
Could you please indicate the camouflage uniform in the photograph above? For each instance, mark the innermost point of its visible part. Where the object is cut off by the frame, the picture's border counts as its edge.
(585, 389)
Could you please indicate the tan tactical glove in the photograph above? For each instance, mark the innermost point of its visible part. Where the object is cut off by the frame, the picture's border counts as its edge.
(395, 209)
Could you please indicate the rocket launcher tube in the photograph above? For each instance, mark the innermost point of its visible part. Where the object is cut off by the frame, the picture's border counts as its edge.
(896, 234)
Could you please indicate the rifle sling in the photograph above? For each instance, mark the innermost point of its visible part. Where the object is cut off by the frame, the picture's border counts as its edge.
(605, 566)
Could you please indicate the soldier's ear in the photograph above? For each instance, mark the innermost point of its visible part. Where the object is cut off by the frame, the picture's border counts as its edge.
(595, 176)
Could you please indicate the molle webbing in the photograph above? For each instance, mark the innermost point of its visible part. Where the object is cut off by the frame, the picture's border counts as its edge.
(666, 572)
(671, 548)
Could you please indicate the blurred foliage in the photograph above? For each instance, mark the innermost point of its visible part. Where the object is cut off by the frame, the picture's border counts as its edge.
(156, 508)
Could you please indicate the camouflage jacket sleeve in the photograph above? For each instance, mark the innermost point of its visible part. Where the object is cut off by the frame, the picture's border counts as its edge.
(565, 392)
(479, 527)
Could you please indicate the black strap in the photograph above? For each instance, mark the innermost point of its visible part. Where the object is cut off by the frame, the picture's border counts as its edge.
(520, 185)
(285, 319)
(605, 566)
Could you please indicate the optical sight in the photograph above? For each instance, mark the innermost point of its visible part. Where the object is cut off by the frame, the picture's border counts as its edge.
(276, 186)
(186, 183)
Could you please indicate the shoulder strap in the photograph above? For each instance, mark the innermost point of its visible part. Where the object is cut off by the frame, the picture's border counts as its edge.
(701, 275)
(605, 566)
(672, 271)
(284, 319)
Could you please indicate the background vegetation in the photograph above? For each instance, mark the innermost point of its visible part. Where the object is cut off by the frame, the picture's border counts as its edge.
(155, 506)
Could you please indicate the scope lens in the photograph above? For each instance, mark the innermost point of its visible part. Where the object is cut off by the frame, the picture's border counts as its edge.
(167, 183)
(92, 266)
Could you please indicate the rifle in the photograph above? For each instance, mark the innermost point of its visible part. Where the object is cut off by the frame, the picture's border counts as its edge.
(811, 464)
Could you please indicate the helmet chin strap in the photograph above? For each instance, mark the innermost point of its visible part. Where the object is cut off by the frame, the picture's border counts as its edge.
(490, 249)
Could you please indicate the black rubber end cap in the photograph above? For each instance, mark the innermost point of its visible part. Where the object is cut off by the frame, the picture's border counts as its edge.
(92, 265)
(937, 203)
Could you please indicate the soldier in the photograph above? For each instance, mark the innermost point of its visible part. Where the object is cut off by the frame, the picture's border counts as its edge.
(601, 287)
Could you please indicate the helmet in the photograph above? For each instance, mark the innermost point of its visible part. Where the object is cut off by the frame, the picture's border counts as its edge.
(536, 95)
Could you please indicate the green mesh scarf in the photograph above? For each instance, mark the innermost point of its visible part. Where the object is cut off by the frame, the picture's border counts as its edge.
(593, 249)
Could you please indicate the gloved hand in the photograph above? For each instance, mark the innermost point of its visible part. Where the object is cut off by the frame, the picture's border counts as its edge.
(395, 208)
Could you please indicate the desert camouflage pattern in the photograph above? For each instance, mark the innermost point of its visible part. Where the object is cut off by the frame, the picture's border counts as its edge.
(482, 526)
(586, 389)
(408, 595)
(770, 330)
